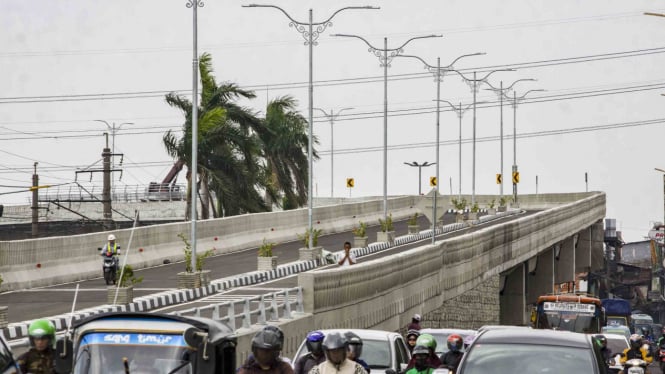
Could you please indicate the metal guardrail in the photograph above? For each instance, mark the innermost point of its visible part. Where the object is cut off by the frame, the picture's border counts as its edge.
(122, 193)
(268, 309)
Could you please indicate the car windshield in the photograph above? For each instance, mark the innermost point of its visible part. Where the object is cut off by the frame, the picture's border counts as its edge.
(575, 322)
(527, 358)
(375, 352)
(145, 353)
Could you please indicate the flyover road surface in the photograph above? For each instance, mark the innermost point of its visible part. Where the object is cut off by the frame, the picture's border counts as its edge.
(48, 301)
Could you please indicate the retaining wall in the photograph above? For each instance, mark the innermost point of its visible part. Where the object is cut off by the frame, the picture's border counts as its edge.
(47, 261)
(384, 293)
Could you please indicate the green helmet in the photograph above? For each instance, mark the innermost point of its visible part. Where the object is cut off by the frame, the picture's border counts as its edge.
(42, 328)
(427, 340)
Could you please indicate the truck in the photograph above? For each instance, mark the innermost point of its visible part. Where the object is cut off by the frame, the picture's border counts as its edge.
(137, 342)
(569, 312)
(639, 321)
(618, 311)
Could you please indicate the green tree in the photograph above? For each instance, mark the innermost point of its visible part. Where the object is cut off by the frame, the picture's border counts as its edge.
(228, 148)
(285, 144)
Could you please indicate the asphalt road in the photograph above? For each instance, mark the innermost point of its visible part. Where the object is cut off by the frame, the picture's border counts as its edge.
(48, 301)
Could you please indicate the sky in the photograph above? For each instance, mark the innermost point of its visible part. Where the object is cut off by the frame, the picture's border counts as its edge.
(64, 65)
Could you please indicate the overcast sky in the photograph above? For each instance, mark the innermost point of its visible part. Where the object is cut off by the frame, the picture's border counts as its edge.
(65, 64)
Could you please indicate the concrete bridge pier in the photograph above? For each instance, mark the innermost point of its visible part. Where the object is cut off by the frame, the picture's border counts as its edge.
(540, 276)
(512, 297)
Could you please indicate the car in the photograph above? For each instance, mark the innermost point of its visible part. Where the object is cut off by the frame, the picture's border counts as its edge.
(382, 350)
(519, 350)
(441, 336)
(616, 344)
(616, 330)
(7, 361)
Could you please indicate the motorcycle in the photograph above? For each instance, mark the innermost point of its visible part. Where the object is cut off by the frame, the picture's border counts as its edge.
(635, 366)
(109, 266)
(661, 358)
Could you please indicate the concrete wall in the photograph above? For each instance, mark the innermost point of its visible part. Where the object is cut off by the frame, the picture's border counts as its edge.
(47, 261)
(384, 293)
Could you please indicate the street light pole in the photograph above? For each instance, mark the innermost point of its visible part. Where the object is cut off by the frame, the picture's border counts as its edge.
(438, 72)
(516, 100)
(194, 4)
(310, 35)
(384, 59)
(420, 175)
(332, 117)
(501, 92)
(473, 83)
(460, 113)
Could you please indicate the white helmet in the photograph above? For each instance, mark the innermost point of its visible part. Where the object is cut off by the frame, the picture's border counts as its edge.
(111, 237)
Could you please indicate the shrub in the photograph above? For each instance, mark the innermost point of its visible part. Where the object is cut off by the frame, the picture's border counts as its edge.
(188, 255)
(315, 237)
(459, 204)
(387, 225)
(413, 220)
(492, 204)
(504, 200)
(128, 278)
(265, 250)
(361, 230)
(475, 208)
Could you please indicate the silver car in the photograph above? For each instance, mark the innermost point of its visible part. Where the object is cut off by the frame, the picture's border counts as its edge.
(382, 350)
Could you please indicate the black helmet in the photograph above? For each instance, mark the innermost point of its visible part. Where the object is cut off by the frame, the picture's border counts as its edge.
(334, 341)
(271, 337)
(355, 344)
(420, 350)
(414, 333)
(645, 331)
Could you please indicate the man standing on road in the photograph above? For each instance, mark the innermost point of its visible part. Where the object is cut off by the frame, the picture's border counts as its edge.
(40, 359)
(348, 258)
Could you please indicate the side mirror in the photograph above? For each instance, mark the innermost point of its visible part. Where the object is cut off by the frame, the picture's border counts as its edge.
(205, 353)
(64, 356)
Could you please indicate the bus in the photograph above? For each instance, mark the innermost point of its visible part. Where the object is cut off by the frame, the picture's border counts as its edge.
(570, 312)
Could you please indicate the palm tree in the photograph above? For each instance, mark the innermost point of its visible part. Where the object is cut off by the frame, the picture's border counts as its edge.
(285, 153)
(228, 152)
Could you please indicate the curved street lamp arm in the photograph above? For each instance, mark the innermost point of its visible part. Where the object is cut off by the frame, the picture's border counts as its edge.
(359, 37)
(348, 7)
(462, 56)
(492, 72)
(341, 110)
(414, 38)
(427, 66)
(526, 93)
(508, 88)
(278, 8)
(323, 111)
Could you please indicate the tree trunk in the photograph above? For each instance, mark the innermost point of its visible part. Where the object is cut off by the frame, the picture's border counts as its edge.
(188, 198)
(205, 196)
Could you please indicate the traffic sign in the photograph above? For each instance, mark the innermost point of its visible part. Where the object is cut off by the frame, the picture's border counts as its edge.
(350, 182)
(657, 235)
(516, 177)
(432, 181)
(499, 179)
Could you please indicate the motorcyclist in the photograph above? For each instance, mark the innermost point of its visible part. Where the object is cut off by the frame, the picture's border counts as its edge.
(411, 337)
(40, 359)
(266, 348)
(111, 249)
(420, 354)
(636, 350)
(335, 349)
(314, 343)
(355, 349)
(451, 359)
(427, 341)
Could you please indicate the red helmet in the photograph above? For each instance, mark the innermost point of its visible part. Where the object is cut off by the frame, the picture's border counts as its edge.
(455, 342)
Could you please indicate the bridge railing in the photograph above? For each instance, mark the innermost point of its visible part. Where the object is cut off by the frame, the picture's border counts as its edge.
(268, 309)
(119, 193)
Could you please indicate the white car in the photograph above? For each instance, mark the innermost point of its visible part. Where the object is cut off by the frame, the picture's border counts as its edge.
(382, 350)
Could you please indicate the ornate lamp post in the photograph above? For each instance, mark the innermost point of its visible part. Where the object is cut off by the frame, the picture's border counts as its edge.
(459, 110)
(501, 92)
(332, 115)
(473, 83)
(516, 99)
(385, 56)
(306, 29)
(438, 72)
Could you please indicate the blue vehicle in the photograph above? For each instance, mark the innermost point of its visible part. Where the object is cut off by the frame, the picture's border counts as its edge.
(147, 343)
